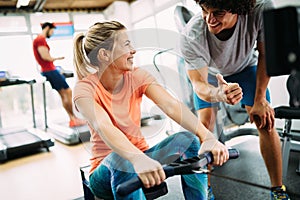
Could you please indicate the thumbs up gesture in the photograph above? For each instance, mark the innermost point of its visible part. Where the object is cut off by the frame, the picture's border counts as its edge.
(230, 93)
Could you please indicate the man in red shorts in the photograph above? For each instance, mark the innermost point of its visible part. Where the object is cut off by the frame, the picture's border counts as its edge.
(48, 69)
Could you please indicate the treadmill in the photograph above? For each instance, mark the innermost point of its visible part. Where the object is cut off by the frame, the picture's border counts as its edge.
(67, 135)
(61, 131)
(17, 142)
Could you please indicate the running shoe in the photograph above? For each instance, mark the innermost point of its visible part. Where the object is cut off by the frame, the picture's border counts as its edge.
(77, 122)
(210, 195)
(279, 193)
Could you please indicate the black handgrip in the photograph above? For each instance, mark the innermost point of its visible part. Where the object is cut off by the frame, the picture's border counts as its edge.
(233, 154)
(129, 186)
(135, 183)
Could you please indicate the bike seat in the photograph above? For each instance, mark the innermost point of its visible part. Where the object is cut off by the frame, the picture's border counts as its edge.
(287, 112)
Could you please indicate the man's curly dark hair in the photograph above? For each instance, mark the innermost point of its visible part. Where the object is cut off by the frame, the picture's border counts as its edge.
(240, 7)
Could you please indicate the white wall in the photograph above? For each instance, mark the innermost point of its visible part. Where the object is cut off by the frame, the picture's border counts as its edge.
(282, 3)
(119, 11)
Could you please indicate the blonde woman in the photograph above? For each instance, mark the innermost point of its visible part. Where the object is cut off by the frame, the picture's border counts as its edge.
(110, 101)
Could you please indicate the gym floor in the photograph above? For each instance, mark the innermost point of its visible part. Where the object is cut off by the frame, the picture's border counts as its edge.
(248, 167)
(45, 175)
(55, 175)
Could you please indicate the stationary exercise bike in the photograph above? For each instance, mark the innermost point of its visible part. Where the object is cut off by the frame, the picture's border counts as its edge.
(282, 26)
(188, 166)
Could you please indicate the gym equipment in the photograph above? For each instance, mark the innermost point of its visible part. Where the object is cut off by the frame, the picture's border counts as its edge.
(181, 16)
(282, 26)
(19, 142)
(235, 119)
(68, 135)
(282, 43)
(187, 166)
(290, 139)
(84, 172)
(61, 131)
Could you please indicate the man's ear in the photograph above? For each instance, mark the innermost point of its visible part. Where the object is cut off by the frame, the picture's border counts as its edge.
(103, 54)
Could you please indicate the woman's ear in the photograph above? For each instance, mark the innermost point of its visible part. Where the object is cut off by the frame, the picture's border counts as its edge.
(103, 55)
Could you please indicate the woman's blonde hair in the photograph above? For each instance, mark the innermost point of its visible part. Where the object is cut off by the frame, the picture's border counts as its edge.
(86, 47)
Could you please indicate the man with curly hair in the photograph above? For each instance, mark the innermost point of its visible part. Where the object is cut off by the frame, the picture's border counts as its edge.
(223, 65)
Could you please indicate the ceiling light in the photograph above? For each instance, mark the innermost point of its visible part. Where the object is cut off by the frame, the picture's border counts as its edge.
(22, 3)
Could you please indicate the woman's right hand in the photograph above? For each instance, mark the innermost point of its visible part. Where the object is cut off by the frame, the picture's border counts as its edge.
(149, 171)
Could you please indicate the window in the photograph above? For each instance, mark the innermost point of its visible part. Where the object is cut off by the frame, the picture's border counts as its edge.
(18, 59)
(156, 32)
(15, 100)
(13, 24)
(80, 20)
(192, 6)
(165, 19)
(37, 18)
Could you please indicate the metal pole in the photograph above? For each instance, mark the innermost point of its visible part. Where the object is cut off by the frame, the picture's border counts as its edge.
(32, 103)
(45, 109)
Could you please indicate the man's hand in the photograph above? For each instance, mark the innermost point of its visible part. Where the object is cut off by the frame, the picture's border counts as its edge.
(149, 171)
(231, 93)
(263, 115)
(59, 58)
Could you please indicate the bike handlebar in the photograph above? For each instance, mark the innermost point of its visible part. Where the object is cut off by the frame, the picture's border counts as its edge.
(176, 168)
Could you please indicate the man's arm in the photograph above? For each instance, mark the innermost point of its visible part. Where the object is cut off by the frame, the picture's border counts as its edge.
(261, 107)
(230, 93)
(181, 114)
(45, 54)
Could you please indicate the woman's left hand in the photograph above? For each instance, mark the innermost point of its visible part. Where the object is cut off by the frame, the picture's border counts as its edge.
(219, 150)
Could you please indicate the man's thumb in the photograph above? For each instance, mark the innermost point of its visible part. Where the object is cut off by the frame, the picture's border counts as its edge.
(221, 79)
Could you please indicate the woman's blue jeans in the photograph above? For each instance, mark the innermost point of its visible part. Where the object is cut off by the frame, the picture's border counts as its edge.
(115, 170)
